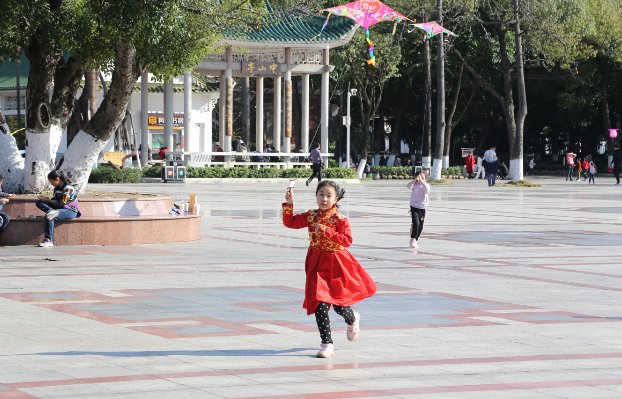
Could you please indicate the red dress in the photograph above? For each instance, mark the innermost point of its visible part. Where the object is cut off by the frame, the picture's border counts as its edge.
(333, 275)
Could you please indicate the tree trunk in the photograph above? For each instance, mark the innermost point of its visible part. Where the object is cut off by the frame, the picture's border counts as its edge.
(516, 146)
(450, 118)
(440, 101)
(88, 143)
(41, 140)
(11, 162)
(426, 145)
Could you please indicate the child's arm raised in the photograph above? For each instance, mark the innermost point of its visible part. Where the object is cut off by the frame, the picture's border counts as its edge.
(289, 219)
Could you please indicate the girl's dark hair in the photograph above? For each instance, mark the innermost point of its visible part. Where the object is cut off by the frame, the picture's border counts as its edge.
(53, 175)
(324, 183)
(417, 173)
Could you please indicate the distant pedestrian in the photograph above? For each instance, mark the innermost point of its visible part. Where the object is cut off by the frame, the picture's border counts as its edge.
(491, 165)
(469, 162)
(333, 276)
(616, 164)
(419, 200)
(532, 166)
(480, 168)
(579, 163)
(570, 157)
(592, 173)
(585, 166)
(316, 164)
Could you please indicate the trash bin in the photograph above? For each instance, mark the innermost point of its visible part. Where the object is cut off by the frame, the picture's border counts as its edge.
(174, 172)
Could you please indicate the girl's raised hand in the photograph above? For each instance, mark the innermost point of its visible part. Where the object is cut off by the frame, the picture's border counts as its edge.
(289, 196)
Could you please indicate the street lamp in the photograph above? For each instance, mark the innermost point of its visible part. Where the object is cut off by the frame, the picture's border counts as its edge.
(347, 122)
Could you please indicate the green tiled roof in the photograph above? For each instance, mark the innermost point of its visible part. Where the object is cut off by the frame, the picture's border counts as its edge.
(292, 28)
(8, 74)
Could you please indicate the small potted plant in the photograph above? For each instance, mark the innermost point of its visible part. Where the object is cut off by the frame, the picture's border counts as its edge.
(375, 173)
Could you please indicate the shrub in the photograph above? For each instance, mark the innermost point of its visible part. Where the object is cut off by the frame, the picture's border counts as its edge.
(452, 171)
(152, 171)
(106, 174)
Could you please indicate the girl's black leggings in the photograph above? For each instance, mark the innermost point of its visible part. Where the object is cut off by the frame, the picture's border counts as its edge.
(323, 321)
(418, 217)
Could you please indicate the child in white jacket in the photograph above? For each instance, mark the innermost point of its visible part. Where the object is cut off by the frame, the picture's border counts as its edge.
(418, 203)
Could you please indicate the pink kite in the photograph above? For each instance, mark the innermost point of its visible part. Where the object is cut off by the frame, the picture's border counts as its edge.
(432, 29)
(367, 13)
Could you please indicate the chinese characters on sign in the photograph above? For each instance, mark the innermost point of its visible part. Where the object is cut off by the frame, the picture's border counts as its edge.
(157, 119)
(260, 68)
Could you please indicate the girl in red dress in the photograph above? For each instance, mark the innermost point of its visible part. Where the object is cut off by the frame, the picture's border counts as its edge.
(334, 277)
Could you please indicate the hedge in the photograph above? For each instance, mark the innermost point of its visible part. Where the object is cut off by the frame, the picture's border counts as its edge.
(218, 172)
(106, 174)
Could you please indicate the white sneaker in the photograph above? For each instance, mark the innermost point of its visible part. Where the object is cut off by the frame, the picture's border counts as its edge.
(326, 350)
(354, 330)
(52, 214)
(413, 243)
(46, 244)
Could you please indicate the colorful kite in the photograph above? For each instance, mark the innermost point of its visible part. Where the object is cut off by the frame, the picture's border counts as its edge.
(367, 13)
(432, 29)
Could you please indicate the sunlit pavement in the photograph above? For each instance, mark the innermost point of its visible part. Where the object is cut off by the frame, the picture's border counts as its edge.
(513, 293)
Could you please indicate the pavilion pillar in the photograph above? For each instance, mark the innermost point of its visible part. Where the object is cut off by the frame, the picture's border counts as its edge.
(206, 128)
(304, 128)
(288, 105)
(191, 140)
(144, 118)
(276, 126)
(259, 114)
(325, 104)
(246, 110)
(168, 115)
(222, 88)
(229, 104)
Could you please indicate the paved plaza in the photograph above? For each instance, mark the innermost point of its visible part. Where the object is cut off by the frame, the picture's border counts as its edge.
(513, 293)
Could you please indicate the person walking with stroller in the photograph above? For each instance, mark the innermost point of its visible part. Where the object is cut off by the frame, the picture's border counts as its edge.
(316, 164)
(333, 276)
(419, 201)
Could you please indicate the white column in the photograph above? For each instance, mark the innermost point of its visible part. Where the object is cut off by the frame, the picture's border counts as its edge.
(191, 141)
(259, 113)
(221, 109)
(324, 106)
(276, 126)
(304, 128)
(168, 115)
(287, 139)
(144, 118)
(229, 102)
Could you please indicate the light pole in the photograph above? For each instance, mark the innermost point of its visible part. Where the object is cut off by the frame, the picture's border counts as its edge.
(347, 122)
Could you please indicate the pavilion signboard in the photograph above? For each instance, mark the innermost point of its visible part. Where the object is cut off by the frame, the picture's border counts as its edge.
(260, 68)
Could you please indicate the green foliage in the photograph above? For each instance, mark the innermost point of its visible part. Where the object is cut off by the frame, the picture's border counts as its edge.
(250, 173)
(106, 174)
(452, 171)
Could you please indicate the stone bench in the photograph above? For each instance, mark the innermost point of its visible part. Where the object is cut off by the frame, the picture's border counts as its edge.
(128, 221)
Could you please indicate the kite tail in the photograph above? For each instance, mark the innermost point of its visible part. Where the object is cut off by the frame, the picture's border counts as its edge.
(372, 57)
(325, 23)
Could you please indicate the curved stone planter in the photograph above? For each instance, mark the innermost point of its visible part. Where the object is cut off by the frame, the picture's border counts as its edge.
(128, 221)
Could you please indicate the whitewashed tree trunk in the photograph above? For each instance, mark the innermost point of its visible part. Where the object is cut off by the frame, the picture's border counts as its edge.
(40, 157)
(11, 162)
(79, 157)
(436, 169)
(445, 161)
(426, 162)
(516, 169)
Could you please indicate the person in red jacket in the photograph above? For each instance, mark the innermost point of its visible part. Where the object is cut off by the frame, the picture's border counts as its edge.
(585, 166)
(469, 162)
(334, 276)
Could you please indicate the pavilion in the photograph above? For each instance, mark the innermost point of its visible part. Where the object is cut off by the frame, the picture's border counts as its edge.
(286, 47)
